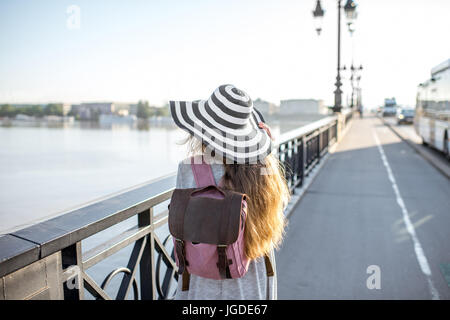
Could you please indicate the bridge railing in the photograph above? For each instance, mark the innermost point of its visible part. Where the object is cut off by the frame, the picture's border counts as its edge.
(46, 260)
(301, 149)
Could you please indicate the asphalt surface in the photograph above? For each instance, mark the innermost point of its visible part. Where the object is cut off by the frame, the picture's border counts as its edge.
(407, 133)
(368, 228)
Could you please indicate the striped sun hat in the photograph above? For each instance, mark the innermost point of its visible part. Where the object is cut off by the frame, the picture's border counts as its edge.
(227, 123)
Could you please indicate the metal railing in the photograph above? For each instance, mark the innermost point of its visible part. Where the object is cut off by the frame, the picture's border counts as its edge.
(300, 150)
(53, 249)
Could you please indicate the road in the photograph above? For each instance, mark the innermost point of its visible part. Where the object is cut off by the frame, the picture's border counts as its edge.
(374, 224)
(407, 133)
(406, 130)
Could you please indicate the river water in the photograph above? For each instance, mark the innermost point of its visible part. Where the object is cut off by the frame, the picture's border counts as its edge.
(46, 170)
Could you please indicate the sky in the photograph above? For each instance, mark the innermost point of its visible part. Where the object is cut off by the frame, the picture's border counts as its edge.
(126, 51)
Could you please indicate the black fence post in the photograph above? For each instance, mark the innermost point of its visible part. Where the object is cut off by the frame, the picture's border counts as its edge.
(147, 263)
(302, 159)
(319, 145)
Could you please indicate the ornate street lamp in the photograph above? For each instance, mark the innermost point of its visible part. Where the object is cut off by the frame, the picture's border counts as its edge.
(351, 14)
(318, 17)
(350, 11)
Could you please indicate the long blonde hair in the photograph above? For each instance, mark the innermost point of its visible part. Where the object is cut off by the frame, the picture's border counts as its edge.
(267, 195)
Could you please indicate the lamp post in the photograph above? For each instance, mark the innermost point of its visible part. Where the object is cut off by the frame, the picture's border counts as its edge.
(350, 11)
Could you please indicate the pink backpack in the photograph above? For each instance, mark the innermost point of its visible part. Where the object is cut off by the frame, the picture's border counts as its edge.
(207, 224)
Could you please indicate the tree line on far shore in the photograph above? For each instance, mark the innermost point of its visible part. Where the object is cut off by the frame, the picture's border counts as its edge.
(144, 110)
(51, 109)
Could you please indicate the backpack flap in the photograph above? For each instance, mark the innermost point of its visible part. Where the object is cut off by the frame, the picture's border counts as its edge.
(213, 221)
(200, 215)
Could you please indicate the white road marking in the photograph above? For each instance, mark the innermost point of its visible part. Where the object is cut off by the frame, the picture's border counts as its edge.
(420, 254)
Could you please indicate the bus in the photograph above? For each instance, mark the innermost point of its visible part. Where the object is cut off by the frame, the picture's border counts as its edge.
(390, 107)
(432, 117)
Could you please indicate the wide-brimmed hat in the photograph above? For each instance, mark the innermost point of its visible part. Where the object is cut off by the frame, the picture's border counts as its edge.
(227, 123)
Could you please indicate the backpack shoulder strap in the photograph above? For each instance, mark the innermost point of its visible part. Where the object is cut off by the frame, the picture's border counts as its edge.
(203, 174)
(185, 278)
(269, 268)
(269, 273)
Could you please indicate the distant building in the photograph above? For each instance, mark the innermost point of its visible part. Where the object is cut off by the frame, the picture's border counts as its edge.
(123, 108)
(66, 107)
(265, 107)
(302, 106)
(123, 112)
(75, 109)
(24, 117)
(92, 110)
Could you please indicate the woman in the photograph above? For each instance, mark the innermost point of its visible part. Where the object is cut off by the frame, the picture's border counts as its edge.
(231, 134)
